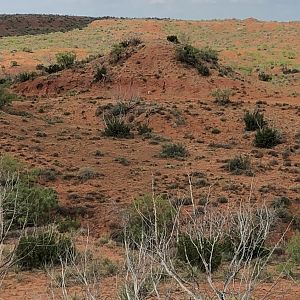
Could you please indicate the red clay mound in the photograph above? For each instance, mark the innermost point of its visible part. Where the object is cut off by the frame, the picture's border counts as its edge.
(152, 69)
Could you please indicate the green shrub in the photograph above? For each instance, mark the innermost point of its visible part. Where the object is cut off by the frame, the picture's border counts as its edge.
(67, 225)
(173, 39)
(297, 136)
(254, 120)
(209, 55)
(131, 42)
(100, 74)
(25, 76)
(197, 58)
(239, 165)
(141, 216)
(86, 173)
(203, 70)
(13, 63)
(267, 137)
(117, 127)
(222, 97)
(144, 129)
(30, 205)
(281, 202)
(264, 77)
(9, 166)
(117, 53)
(5, 98)
(65, 59)
(188, 54)
(53, 68)
(41, 249)
(293, 248)
(173, 151)
(190, 250)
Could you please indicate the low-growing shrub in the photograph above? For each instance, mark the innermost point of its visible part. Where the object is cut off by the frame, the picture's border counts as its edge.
(131, 42)
(65, 59)
(293, 248)
(86, 173)
(25, 76)
(67, 225)
(13, 63)
(6, 98)
(222, 97)
(173, 151)
(30, 205)
(239, 165)
(254, 120)
(117, 53)
(100, 74)
(188, 55)
(42, 249)
(281, 202)
(117, 127)
(144, 129)
(297, 136)
(197, 58)
(194, 251)
(203, 70)
(173, 39)
(264, 77)
(267, 137)
(141, 216)
(54, 68)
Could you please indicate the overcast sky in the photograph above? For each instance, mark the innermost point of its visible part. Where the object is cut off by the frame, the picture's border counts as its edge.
(182, 9)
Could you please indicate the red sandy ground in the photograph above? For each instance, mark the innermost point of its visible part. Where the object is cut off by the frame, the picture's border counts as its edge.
(70, 145)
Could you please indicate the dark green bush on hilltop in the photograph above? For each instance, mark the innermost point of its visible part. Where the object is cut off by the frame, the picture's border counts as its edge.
(197, 58)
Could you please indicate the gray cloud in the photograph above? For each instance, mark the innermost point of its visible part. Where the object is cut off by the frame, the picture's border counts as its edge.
(181, 9)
